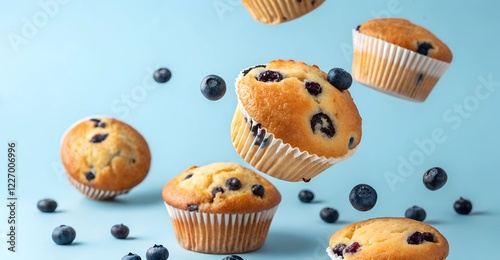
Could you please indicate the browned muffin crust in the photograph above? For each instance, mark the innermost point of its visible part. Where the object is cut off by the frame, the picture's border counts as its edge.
(105, 154)
(386, 238)
(286, 108)
(408, 35)
(204, 189)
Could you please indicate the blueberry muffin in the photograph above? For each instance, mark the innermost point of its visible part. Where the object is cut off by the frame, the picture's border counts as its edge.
(291, 122)
(104, 157)
(221, 208)
(279, 11)
(398, 57)
(388, 238)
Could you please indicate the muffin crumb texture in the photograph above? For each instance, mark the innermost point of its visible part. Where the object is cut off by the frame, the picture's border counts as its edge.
(388, 238)
(221, 188)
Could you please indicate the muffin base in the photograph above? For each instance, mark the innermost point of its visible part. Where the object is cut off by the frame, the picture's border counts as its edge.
(271, 156)
(94, 193)
(394, 70)
(219, 233)
(279, 11)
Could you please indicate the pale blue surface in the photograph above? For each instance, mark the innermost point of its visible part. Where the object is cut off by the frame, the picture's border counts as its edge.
(88, 56)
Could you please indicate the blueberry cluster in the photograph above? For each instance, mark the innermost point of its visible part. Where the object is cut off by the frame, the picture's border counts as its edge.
(341, 249)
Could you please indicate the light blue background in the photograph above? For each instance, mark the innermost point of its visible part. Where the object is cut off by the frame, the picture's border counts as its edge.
(87, 57)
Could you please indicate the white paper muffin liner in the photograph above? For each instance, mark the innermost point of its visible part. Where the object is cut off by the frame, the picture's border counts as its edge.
(394, 70)
(278, 11)
(220, 233)
(94, 193)
(272, 156)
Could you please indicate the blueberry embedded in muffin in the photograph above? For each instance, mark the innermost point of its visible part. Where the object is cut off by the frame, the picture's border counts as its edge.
(104, 157)
(229, 198)
(292, 104)
(398, 57)
(388, 238)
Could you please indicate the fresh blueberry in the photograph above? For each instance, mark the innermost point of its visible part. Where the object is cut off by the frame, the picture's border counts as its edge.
(258, 190)
(63, 235)
(213, 87)
(98, 138)
(415, 239)
(245, 72)
(463, 206)
(306, 196)
(351, 142)
(232, 257)
(424, 47)
(192, 207)
(270, 76)
(233, 184)
(339, 78)
(363, 197)
(353, 248)
(131, 256)
(217, 190)
(329, 215)
(157, 252)
(429, 237)
(435, 178)
(47, 205)
(339, 249)
(162, 75)
(416, 213)
(98, 123)
(313, 88)
(89, 176)
(120, 231)
(322, 122)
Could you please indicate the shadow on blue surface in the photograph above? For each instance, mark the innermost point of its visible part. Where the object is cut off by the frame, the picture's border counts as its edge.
(281, 243)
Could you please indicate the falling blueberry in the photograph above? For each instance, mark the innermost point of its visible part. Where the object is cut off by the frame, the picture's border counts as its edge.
(63, 235)
(435, 178)
(213, 87)
(131, 256)
(162, 75)
(463, 206)
(363, 197)
(329, 215)
(339, 78)
(47, 205)
(306, 196)
(416, 213)
(120, 231)
(232, 257)
(157, 252)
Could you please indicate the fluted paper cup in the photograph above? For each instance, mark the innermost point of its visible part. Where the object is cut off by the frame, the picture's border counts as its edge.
(220, 233)
(279, 11)
(271, 155)
(394, 70)
(92, 193)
